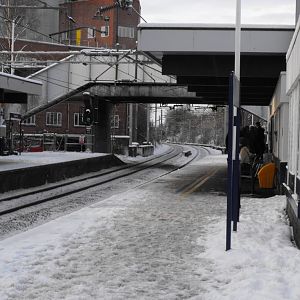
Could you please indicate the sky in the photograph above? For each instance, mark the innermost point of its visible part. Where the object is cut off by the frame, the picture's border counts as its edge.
(218, 11)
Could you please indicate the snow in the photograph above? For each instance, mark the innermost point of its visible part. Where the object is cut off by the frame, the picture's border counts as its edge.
(263, 263)
(147, 243)
(30, 159)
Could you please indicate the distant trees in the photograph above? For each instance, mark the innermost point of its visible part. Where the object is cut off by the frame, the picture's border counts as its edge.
(12, 10)
(202, 126)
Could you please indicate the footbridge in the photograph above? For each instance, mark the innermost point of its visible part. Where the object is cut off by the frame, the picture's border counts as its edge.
(117, 76)
(110, 77)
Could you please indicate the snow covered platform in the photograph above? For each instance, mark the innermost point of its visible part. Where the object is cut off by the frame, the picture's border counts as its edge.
(34, 169)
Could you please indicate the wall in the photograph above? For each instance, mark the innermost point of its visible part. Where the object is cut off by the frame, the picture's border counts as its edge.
(67, 109)
(293, 94)
(279, 113)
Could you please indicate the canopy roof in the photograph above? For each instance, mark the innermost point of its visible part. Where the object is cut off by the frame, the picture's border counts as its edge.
(202, 57)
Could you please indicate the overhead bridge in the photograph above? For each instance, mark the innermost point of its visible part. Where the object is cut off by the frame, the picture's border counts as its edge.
(110, 77)
(145, 93)
(122, 76)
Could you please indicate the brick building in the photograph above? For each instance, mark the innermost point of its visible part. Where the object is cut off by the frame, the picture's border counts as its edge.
(84, 23)
(66, 117)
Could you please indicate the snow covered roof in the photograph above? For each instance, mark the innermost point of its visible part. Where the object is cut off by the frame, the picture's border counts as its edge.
(15, 84)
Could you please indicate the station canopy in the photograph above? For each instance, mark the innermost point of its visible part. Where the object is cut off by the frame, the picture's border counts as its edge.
(15, 89)
(201, 56)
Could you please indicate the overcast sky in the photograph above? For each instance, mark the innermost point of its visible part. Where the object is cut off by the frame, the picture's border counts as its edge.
(218, 11)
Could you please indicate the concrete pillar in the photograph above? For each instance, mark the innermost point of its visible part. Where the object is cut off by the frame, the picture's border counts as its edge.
(136, 122)
(130, 123)
(102, 132)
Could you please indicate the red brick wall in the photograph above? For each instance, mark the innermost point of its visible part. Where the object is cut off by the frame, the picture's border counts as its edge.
(121, 110)
(68, 109)
(84, 11)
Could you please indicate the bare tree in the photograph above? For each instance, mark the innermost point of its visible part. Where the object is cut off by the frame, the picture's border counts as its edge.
(204, 127)
(16, 22)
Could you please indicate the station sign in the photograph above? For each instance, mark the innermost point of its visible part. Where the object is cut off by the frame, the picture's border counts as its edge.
(15, 116)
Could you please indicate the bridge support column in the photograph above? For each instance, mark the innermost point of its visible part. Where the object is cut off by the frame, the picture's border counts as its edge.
(102, 130)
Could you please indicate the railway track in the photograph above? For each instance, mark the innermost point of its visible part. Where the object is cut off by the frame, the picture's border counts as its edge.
(40, 195)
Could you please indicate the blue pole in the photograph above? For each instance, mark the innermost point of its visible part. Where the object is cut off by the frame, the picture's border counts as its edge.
(236, 172)
(229, 164)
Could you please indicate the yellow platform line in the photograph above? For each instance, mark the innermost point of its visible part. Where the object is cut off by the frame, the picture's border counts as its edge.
(191, 185)
(196, 185)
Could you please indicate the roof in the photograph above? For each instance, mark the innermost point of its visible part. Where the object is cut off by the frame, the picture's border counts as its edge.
(201, 56)
(14, 89)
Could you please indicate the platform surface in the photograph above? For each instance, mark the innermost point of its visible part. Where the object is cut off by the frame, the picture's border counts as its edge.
(32, 159)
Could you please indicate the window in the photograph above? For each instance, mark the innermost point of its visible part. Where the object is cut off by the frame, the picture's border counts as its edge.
(104, 31)
(91, 33)
(126, 32)
(29, 121)
(54, 118)
(115, 121)
(65, 36)
(78, 120)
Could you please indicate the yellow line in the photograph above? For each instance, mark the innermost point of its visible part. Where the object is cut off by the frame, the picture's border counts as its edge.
(194, 187)
(191, 185)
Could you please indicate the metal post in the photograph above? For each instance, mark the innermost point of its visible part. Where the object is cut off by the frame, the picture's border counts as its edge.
(161, 124)
(65, 142)
(135, 136)
(297, 10)
(12, 48)
(237, 40)
(20, 137)
(236, 172)
(117, 41)
(236, 125)
(130, 122)
(155, 120)
(229, 166)
(148, 123)
(225, 124)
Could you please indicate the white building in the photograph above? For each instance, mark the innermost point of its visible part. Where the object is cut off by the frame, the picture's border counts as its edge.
(293, 123)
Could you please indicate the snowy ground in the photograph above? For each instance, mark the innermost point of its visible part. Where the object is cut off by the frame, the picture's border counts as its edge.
(151, 243)
(30, 159)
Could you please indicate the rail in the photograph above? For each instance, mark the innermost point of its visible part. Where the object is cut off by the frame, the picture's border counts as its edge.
(23, 200)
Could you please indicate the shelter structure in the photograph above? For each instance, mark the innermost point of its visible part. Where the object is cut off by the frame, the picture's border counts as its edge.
(203, 57)
(15, 89)
(293, 158)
